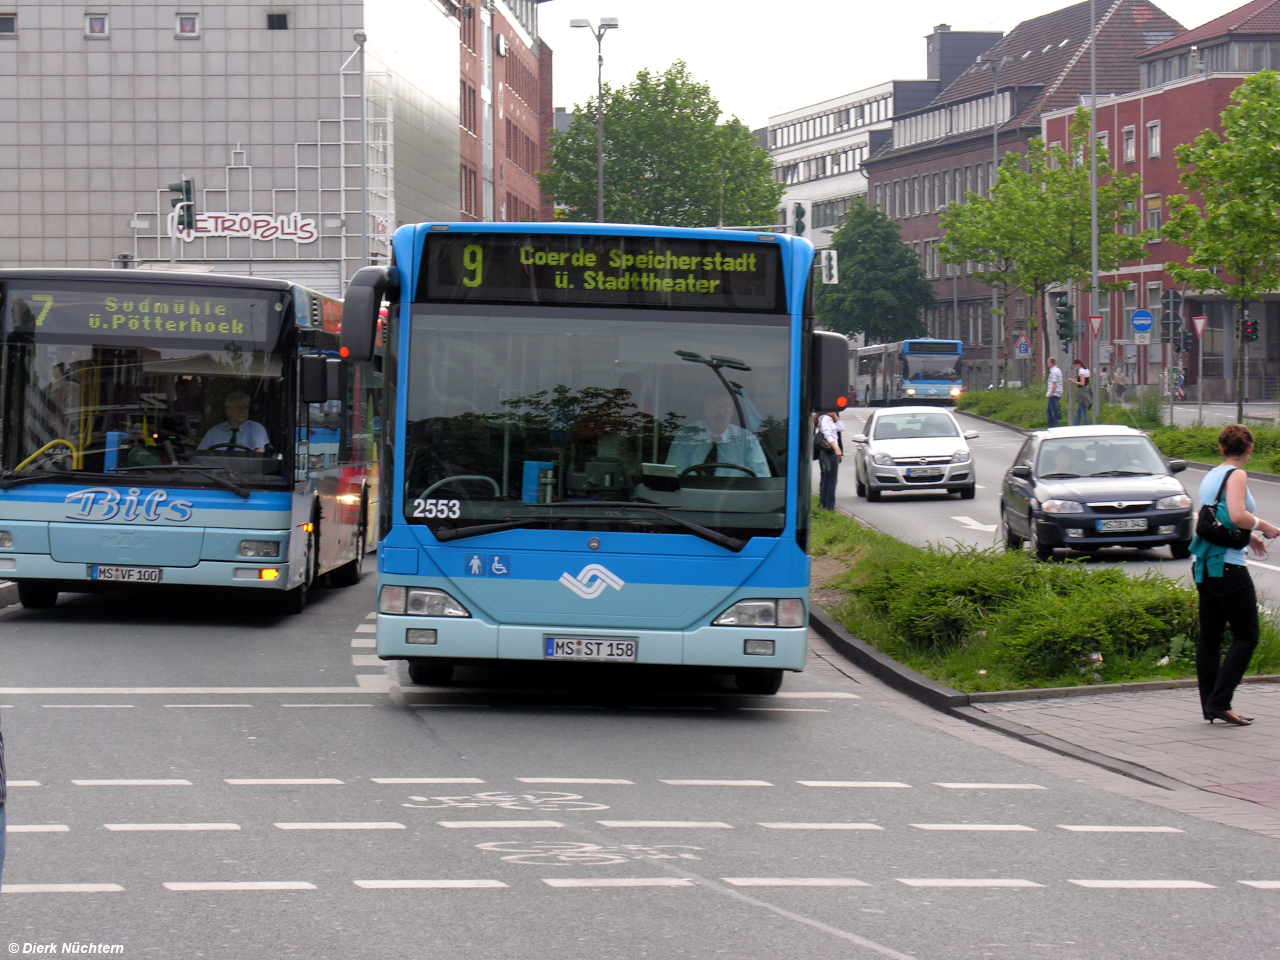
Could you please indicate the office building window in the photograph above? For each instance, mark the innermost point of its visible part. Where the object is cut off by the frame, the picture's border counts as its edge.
(1127, 139)
(470, 192)
(1155, 209)
(8, 24)
(1153, 138)
(1154, 290)
(879, 196)
(467, 30)
(95, 26)
(1130, 228)
(467, 106)
(277, 21)
(928, 194)
(186, 26)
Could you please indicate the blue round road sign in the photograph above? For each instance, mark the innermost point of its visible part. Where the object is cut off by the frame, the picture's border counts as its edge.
(1142, 321)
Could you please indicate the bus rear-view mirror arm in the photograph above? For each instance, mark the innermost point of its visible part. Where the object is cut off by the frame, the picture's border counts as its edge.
(360, 309)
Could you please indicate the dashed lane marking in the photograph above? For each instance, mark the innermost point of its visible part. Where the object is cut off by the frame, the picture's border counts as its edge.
(241, 885)
(565, 882)
(426, 780)
(1262, 884)
(500, 824)
(36, 828)
(87, 706)
(976, 882)
(815, 695)
(871, 784)
(794, 882)
(991, 786)
(303, 705)
(61, 888)
(820, 826)
(366, 628)
(430, 884)
(364, 643)
(717, 783)
(977, 827)
(24, 783)
(172, 691)
(208, 706)
(132, 783)
(354, 825)
(371, 616)
(1143, 884)
(596, 780)
(667, 824)
(1098, 828)
(286, 782)
(168, 827)
(366, 660)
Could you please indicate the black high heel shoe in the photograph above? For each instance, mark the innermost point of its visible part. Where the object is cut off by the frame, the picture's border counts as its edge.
(1228, 716)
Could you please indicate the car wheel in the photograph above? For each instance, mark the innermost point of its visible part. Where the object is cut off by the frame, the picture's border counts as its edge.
(1181, 549)
(859, 487)
(1010, 539)
(967, 493)
(1039, 549)
(873, 494)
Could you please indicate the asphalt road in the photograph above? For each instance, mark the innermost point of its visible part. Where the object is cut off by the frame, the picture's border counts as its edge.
(935, 517)
(210, 781)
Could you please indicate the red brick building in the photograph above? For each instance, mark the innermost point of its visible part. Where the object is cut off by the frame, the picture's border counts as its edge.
(505, 112)
(942, 153)
(1186, 83)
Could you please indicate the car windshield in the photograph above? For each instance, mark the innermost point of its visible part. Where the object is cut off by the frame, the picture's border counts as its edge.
(1071, 457)
(570, 421)
(914, 426)
(932, 366)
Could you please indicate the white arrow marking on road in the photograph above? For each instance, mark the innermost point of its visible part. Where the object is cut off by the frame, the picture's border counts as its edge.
(973, 524)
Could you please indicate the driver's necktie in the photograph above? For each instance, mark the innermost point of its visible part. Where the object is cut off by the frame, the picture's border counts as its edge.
(234, 431)
(713, 455)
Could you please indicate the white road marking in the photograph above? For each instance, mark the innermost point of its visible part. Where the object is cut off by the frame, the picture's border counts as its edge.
(973, 524)
(820, 826)
(364, 643)
(600, 780)
(87, 706)
(815, 695)
(207, 706)
(1265, 566)
(978, 827)
(667, 824)
(717, 783)
(620, 882)
(62, 888)
(426, 780)
(1262, 884)
(979, 486)
(968, 883)
(430, 884)
(875, 784)
(371, 616)
(794, 882)
(171, 691)
(285, 782)
(354, 825)
(1143, 884)
(366, 660)
(786, 709)
(500, 824)
(243, 885)
(168, 827)
(24, 783)
(1089, 828)
(296, 705)
(36, 828)
(366, 628)
(132, 783)
(991, 786)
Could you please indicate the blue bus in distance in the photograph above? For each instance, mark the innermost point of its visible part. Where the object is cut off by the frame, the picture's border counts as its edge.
(598, 445)
(923, 371)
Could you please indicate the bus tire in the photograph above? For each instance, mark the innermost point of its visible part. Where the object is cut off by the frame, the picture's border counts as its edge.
(349, 574)
(756, 680)
(293, 602)
(425, 672)
(37, 594)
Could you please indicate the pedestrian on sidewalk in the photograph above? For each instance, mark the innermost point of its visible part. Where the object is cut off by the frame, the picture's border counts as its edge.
(1222, 580)
(1053, 394)
(830, 453)
(1084, 397)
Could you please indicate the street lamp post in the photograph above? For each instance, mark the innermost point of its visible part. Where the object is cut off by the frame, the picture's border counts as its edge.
(606, 24)
(1093, 209)
(996, 64)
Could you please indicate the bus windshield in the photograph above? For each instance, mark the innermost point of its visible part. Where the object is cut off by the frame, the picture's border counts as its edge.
(100, 379)
(932, 366)
(568, 421)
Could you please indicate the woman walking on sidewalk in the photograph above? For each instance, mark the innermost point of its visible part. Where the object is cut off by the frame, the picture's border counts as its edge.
(1223, 582)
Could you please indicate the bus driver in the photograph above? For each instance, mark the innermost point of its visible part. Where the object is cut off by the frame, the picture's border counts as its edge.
(237, 431)
(715, 439)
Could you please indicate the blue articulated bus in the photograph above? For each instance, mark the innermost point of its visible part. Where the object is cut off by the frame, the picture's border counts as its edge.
(907, 371)
(163, 428)
(600, 444)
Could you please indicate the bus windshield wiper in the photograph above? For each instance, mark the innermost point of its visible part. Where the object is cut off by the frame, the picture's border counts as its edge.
(459, 533)
(662, 511)
(11, 478)
(206, 472)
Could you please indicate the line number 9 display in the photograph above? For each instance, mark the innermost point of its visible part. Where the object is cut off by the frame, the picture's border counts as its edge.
(450, 509)
(473, 260)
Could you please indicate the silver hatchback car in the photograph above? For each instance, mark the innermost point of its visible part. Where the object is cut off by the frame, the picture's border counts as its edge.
(913, 448)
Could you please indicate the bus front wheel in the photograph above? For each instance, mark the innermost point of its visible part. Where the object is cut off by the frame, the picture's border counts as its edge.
(430, 673)
(37, 594)
(759, 681)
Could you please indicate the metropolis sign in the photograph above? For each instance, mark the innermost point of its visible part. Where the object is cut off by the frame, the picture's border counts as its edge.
(254, 226)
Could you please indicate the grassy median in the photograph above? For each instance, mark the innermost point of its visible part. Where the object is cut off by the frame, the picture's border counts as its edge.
(1025, 407)
(989, 620)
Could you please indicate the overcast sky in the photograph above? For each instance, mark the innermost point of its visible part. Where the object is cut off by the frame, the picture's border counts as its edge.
(763, 57)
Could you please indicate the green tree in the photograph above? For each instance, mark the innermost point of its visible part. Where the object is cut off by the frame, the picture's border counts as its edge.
(1233, 236)
(882, 286)
(667, 159)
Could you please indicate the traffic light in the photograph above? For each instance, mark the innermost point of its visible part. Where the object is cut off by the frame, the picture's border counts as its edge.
(1066, 328)
(799, 212)
(1167, 324)
(829, 265)
(184, 202)
(1188, 341)
(1250, 330)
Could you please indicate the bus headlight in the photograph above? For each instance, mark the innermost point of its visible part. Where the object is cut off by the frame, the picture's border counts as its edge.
(419, 602)
(259, 548)
(911, 391)
(955, 391)
(763, 613)
(6, 538)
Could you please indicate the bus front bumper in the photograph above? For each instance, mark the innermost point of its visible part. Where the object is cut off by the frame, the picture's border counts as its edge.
(469, 639)
(206, 573)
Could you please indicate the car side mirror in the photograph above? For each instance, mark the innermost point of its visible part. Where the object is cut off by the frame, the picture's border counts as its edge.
(1021, 470)
(971, 434)
(1177, 466)
(859, 438)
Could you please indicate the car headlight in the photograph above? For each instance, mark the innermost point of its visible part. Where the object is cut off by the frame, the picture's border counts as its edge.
(419, 602)
(1062, 506)
(882, 459)
(763, 613)
(1179, 501)
(960, 456)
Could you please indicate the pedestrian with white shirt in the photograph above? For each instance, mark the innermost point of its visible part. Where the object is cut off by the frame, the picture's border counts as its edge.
(1053, 395)
(830, 453)
(1084, 397)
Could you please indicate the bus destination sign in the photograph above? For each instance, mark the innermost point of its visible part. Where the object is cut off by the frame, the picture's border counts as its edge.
(584, 270)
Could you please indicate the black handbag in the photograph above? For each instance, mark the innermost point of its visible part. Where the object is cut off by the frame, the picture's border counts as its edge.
(1212, 530)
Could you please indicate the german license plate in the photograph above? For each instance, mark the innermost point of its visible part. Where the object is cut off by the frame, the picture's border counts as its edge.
(1111, 526)
(583, 648)
(924, 471)
(124, 574)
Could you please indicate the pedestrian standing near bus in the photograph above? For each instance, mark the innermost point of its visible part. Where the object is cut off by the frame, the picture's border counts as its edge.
(1053, 394)
(1222, 580)
(829, 456)
(1084, 398)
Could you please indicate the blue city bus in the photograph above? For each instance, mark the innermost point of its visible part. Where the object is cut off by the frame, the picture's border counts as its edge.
(924, 371)
(164, 428)
(598, 445)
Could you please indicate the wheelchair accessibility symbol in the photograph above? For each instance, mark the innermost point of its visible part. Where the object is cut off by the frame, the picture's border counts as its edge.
(487, 565)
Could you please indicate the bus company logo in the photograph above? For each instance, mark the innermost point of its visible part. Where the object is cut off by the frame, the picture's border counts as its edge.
(590, 583)
(100, 504)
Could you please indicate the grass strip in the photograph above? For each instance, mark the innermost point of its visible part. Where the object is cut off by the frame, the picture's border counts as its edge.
(1025, 407)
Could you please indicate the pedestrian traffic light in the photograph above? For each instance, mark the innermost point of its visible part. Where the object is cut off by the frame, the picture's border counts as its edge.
(1188, 340)
(1250, 330)
(1066, 328)
(799, 213)
(184, 202)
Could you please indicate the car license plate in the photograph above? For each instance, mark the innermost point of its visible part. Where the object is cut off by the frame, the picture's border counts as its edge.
(1110, 526)
(584, 648)
(924, 471)
(124, 574)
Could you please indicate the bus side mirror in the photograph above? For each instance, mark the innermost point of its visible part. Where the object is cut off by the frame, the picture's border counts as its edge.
(360, 308)
(829, 371)
(314, 375)
(335, 380)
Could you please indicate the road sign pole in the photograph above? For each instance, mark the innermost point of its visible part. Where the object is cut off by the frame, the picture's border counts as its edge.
(1199, 324)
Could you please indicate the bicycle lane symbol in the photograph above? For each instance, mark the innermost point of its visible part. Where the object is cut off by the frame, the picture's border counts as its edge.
(551, 802)
(560, 853)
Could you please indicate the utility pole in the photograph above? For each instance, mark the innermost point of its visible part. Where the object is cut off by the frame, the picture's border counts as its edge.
(606, 24)
(1093, 207)
(996, 63)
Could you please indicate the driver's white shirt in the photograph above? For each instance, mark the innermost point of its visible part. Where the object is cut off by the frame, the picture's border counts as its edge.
(251, 434)
(692, 445)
